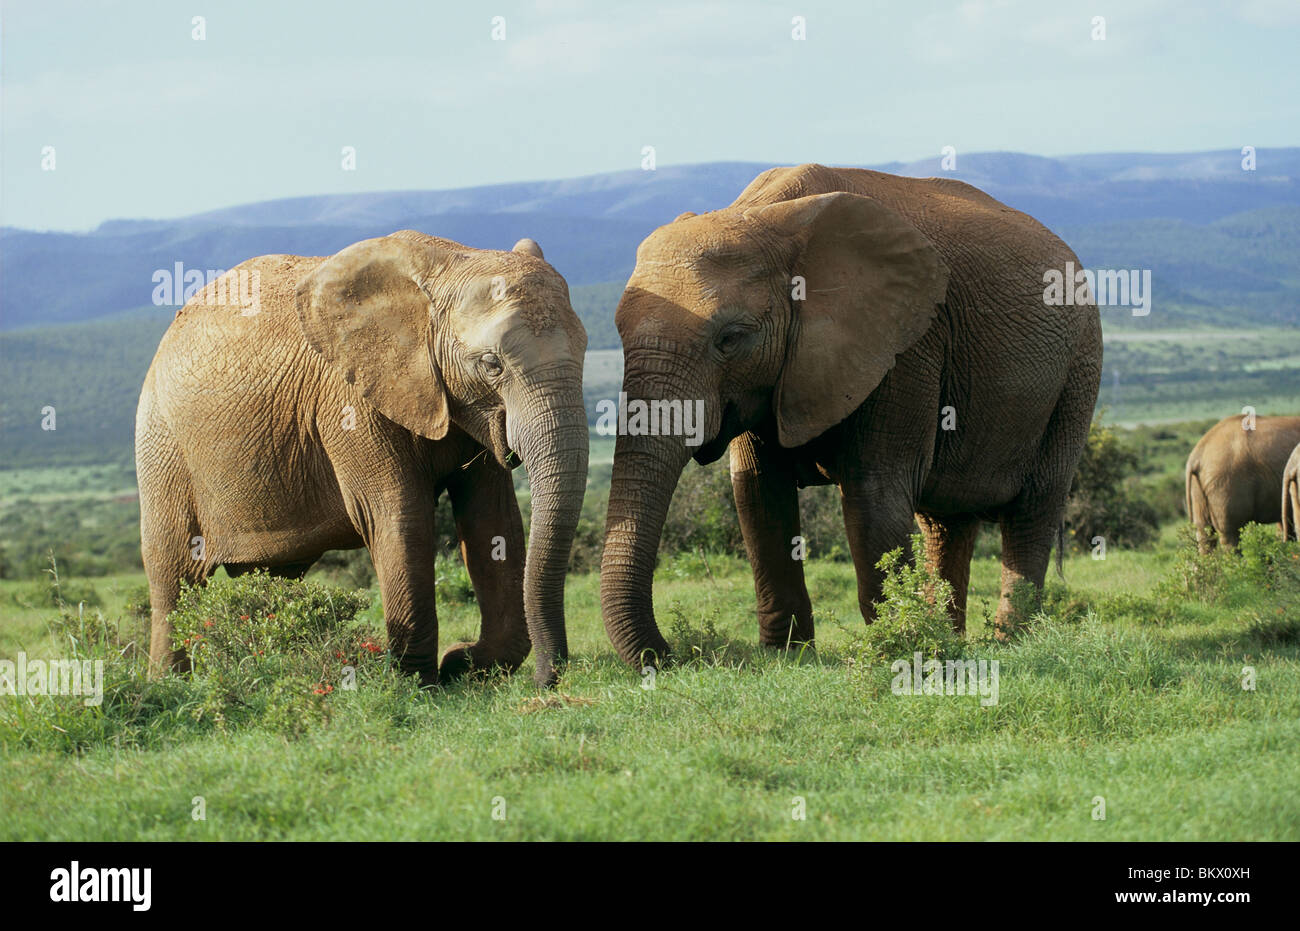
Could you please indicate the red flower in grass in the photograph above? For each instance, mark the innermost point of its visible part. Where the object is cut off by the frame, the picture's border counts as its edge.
(271, 616)
(371, 646)
(322, 689)
(243, 617)
(208, 622)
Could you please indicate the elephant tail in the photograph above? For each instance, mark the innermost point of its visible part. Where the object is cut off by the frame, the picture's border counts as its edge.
(1198, 504)
(1291, 508)
(1060, 549)
(1198, 508)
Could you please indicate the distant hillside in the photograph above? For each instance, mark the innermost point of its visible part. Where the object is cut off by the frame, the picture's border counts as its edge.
(590, 227)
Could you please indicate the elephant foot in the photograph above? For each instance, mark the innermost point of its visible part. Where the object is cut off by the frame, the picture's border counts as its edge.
(1004, 631)
(657, 655)
(795, 647)
(549, 667)
(786, 633)
(461, 659)
(458, 661)
(176, 661)
(425, 669)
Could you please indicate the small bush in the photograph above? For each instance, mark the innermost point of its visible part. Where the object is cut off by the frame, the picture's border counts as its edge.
(266, 646)
(1104, 499)
(912, 615)
(1193, 574)
(696, 643)
(1266, 559)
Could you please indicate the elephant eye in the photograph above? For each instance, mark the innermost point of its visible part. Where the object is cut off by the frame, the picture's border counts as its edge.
(730, 339)
(490, 364)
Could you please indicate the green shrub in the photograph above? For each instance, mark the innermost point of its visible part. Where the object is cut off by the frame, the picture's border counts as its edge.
(1104, 496)
(1194, 574)
(255, 640)
(912, 615)
(1265, 559)
(696, 643)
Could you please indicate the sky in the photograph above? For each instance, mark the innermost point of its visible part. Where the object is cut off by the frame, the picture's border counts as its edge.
(147, 121)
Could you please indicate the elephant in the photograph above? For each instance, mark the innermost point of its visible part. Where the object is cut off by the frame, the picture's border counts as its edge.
(1291, 496)
(890, 335)
(329, 405)
(1233, 475)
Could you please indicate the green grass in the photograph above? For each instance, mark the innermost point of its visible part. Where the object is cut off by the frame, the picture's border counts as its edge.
(1125, 690)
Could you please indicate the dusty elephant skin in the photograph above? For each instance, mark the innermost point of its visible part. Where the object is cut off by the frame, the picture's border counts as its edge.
(921, 296)
(333, 412)
(1233, 475)
(1291, 496)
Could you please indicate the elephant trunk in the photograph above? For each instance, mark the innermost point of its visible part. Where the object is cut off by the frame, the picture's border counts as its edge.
(646, 470)
(552, 441)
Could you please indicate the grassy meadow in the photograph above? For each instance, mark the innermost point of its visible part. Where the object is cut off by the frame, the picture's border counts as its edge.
(1128, 687)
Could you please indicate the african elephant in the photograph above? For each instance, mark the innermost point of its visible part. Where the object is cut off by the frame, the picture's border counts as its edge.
(332, 409)
(890, 335)
(1291, 496)
(1234, 472)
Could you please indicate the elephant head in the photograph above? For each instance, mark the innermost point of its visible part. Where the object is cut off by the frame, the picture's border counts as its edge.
(782, 318)
(434, 333)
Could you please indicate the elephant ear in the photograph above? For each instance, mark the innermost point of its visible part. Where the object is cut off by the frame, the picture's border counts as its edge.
(367, 310)
(529, 247)
(872, 284)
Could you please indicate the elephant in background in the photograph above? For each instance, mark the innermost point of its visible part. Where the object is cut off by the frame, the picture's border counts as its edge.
(889, 335)
(1291, 496)
(1233, 475)
(331, 410)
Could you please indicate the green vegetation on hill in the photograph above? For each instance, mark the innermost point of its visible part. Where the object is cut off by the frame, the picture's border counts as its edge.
(1239, 271)
(90, 374)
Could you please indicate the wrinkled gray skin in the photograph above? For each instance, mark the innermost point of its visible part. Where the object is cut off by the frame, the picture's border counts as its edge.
(921, 295)
(1233, 476)
(1291, 497)
(332, 417)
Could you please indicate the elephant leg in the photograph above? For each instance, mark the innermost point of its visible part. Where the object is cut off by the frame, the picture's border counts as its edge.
(949, 543)
(878, 517)
(171, 544)
(1231, 534)
(767, 502)
(165, 573)
(1030, 522)
(491, 535)
(403, 554)
(1026, 551)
